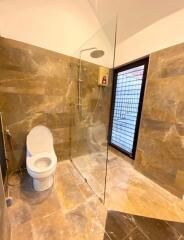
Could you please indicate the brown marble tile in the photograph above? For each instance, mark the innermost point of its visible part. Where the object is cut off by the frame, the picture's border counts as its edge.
(118, 225)
(50, 227)
(136, 235)
(106, 237)
(68, 195)
(22, 232)
(86, 222)
(129, 191)
(68, 187)
(179, 179)
(45, 207)
(92, 167)
(161, 130)
(41, 88)
(96, 210)
(82, 216)
(127, 226)
(155, 229)
(179, 226)
(85, 190)
(29, 204)
(19, 212)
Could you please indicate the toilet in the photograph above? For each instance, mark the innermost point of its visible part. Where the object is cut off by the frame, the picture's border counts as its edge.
(41, 159)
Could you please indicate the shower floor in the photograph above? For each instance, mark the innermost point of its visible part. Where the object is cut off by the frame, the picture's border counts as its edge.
(72, 211)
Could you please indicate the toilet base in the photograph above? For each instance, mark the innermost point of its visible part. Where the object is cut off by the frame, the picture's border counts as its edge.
(43, 184)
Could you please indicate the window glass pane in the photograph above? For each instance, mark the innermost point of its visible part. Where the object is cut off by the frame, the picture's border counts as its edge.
(126, 107)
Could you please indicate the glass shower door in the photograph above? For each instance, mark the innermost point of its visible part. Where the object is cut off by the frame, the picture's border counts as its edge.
(90, 105)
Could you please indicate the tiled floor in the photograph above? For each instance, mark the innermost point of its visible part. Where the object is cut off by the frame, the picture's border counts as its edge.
(127, 189)
(122, 226)
(131, 192)
(71, 210)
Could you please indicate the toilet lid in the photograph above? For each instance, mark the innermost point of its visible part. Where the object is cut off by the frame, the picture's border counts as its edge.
(39, 139)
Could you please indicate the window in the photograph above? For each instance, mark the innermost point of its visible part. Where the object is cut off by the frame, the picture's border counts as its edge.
(127, 98)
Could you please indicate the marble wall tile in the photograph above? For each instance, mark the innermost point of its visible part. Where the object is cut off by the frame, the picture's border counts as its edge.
(38, 86)
(160, 147)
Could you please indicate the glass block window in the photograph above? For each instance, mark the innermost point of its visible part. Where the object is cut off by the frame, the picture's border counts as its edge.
(127, 98)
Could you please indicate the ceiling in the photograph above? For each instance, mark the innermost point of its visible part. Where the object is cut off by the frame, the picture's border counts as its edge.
(134, 15)
(66, 26)
(58, 25)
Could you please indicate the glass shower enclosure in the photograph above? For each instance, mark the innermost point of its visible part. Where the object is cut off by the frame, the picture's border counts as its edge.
(90, 106)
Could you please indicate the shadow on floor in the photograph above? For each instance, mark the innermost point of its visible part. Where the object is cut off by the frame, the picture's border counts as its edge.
(28, 194)
(122, 226)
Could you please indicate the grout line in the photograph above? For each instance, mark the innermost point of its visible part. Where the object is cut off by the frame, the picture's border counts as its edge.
(128, 234)
(65, 211)
(168, 223)
(108, 235)
(140, 229)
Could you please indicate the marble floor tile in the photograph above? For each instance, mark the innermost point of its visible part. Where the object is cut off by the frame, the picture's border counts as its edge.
(72, 211)
(131, 192)
(92, 167)
(46, 207)
(136, 235)
(178, 226)
(127, 189)
(155, 229)
(50, 227)
(22, 233)
(69, 190)
(83, 224)
(29, 204)
(85, 190)
(87, 220)
(19, 213)
(120, 226)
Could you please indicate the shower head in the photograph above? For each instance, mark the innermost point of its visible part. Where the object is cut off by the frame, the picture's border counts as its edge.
(97, 53)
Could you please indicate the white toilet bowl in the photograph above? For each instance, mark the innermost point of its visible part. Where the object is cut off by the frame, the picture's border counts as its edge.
(41, 159)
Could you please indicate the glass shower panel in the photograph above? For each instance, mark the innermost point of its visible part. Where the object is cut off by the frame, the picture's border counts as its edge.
(90, 106)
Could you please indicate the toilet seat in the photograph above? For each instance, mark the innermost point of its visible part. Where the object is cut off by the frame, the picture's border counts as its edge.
(33, 162)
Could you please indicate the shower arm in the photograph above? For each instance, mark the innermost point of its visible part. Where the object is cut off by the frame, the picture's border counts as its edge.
(80, 60)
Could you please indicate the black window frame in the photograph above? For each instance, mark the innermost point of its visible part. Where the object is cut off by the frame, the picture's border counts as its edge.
(144, 61)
